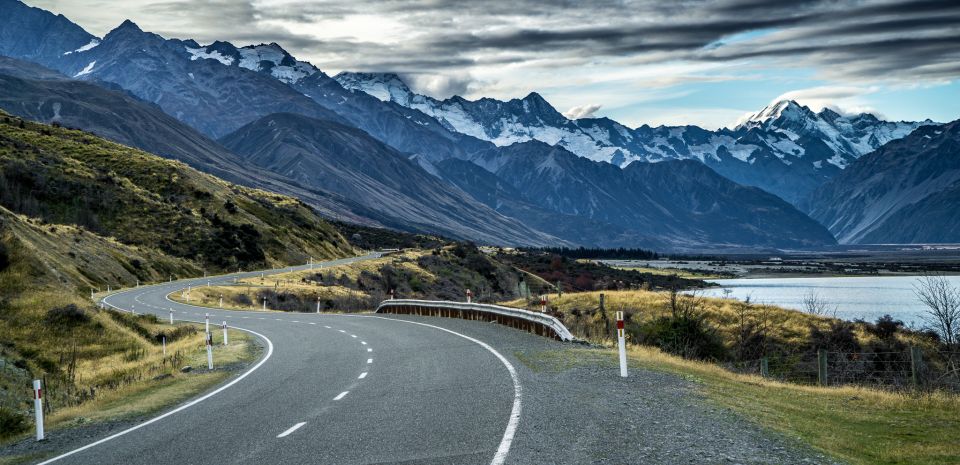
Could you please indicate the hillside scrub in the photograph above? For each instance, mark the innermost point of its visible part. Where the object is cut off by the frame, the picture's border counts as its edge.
(443, 273)
(574, 275)
(79, 214)
(72, 177)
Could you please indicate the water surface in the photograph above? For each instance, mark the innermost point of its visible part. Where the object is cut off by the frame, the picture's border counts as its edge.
(854, 297)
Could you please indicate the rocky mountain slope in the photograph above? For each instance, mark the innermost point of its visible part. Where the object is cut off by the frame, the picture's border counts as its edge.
(349, 162)
(905, 192)
(679, 204)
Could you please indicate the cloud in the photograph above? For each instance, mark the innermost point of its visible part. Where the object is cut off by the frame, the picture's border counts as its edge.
(439, 85)
(582, 111)
(846, 100)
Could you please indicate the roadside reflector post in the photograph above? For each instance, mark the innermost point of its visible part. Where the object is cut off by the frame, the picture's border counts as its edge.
(543, 303)
(108, 288)
(138, 283)
(264, 303)
(208, 283)
(133, 309)
(225, 340)
(318, 304)
(206, 321)
(164, 342)
(221, 301)
(469, 296)
(391, 294)
(622, 343)
(38, 407)
(171, 316)
(209, 350)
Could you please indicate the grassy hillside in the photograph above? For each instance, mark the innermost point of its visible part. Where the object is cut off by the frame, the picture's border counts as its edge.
(80, 213)
(71, 177)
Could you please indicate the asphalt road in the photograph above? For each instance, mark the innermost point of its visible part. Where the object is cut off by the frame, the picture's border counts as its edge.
(331, 389)
(371, 389)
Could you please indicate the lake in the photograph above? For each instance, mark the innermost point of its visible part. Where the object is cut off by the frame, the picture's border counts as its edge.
(854, 297)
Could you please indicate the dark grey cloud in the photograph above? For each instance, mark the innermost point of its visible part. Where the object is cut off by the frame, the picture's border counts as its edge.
(896, 39)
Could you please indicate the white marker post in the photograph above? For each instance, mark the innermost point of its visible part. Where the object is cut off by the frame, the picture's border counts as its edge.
(543, 303)
(133, 309)
(622, 343)
(264, 303)
(108, 288)
(164, 341)
(138, 283)
(206, 320)
(225, 340)
(469, 295)
(171, 316)
(221, 300)
(318, 304)
(391, 294)
(38, 407)
(209, 350)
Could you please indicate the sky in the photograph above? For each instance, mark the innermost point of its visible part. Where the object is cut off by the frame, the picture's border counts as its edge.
(639, 62)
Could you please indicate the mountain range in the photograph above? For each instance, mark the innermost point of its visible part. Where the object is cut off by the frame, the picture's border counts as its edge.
(786, 148)
(364, 148)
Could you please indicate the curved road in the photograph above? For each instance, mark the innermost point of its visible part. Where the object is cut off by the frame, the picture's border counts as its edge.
(330, 389)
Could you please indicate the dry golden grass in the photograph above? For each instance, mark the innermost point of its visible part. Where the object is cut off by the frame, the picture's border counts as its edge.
(792, 327)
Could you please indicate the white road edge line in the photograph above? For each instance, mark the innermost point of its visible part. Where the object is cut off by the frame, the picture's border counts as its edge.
(292, 429)
(180, 408)
(341, 395)
(504, 449)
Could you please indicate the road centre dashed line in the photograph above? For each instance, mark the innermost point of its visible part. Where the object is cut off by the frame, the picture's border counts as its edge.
(292, 429)
(341, 395)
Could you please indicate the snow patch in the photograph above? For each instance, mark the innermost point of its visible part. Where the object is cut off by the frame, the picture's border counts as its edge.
(93, 43)
(202, 53)
(87, 70)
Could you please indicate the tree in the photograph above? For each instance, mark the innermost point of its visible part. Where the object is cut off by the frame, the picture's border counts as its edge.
(814, 304)
(942, 300)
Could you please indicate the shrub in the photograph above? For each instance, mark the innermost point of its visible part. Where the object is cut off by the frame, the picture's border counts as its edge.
(687, 337)
(11, 423)
(66, 316)
(885, 327)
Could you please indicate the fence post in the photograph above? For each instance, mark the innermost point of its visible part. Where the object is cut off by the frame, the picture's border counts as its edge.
(822, 367)
(916, 365)
(765, 367)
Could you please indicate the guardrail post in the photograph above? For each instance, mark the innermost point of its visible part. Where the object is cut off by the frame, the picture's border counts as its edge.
(622, 345)
(765, 367)
(38, 407)
(822, 367)
(916, 365)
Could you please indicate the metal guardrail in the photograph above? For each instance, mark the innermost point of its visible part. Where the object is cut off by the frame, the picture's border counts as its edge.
(539, 323)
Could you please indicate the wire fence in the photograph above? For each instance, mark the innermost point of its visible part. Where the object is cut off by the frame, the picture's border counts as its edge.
(898, 370)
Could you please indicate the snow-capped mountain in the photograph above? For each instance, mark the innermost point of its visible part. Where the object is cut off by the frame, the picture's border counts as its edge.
(905, 192)
(785, 148)
(267, 58)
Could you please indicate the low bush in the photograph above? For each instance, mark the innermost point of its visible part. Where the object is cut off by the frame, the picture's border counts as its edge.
(688, 337)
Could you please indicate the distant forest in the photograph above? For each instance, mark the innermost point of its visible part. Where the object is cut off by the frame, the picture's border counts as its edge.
(582, 252)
